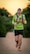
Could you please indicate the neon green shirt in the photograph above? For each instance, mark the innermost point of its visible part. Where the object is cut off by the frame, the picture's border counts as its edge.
(19, 25)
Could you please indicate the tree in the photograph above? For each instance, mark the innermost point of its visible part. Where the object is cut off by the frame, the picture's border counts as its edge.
(5, 22)
(3, 12)
(26, 11)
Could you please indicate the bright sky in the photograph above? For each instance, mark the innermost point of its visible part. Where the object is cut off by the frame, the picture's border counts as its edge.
(13, 5)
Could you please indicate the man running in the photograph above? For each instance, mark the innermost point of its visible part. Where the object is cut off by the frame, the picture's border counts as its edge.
(18, 22)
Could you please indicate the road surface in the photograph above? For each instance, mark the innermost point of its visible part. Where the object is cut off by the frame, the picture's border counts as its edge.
(7, 45)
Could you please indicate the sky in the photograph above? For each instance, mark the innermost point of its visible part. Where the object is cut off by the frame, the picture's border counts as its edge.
(13, 5)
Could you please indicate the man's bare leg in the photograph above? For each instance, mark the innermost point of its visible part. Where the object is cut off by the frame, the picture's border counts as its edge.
(16, 40)
(20, 42)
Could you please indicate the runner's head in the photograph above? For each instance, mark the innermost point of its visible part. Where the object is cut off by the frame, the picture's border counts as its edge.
(19, 10)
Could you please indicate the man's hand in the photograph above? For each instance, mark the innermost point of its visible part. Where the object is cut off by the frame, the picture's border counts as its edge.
(15, 24)
(18, 20)
(24, 22)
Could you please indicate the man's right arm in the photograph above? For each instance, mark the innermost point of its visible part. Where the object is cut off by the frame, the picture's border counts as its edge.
(13, 21)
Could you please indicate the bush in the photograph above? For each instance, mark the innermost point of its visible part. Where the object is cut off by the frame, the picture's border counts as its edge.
(2, 27)
(2, 31)
(27, 30)
(5, 25)
(5, 21)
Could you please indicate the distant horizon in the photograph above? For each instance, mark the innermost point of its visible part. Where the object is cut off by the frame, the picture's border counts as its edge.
(12, 5)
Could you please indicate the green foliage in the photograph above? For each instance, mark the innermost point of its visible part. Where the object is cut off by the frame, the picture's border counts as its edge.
(5, 25)
(4, 12)
(2, 27)
(5, 22)
(26, 11)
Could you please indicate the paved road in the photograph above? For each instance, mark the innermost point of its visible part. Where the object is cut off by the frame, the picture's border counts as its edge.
(7, 45)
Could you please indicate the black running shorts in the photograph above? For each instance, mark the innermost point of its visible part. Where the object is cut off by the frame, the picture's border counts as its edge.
(18, 32)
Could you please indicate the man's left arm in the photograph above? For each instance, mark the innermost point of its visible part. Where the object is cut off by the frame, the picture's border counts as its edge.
(24, 19)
